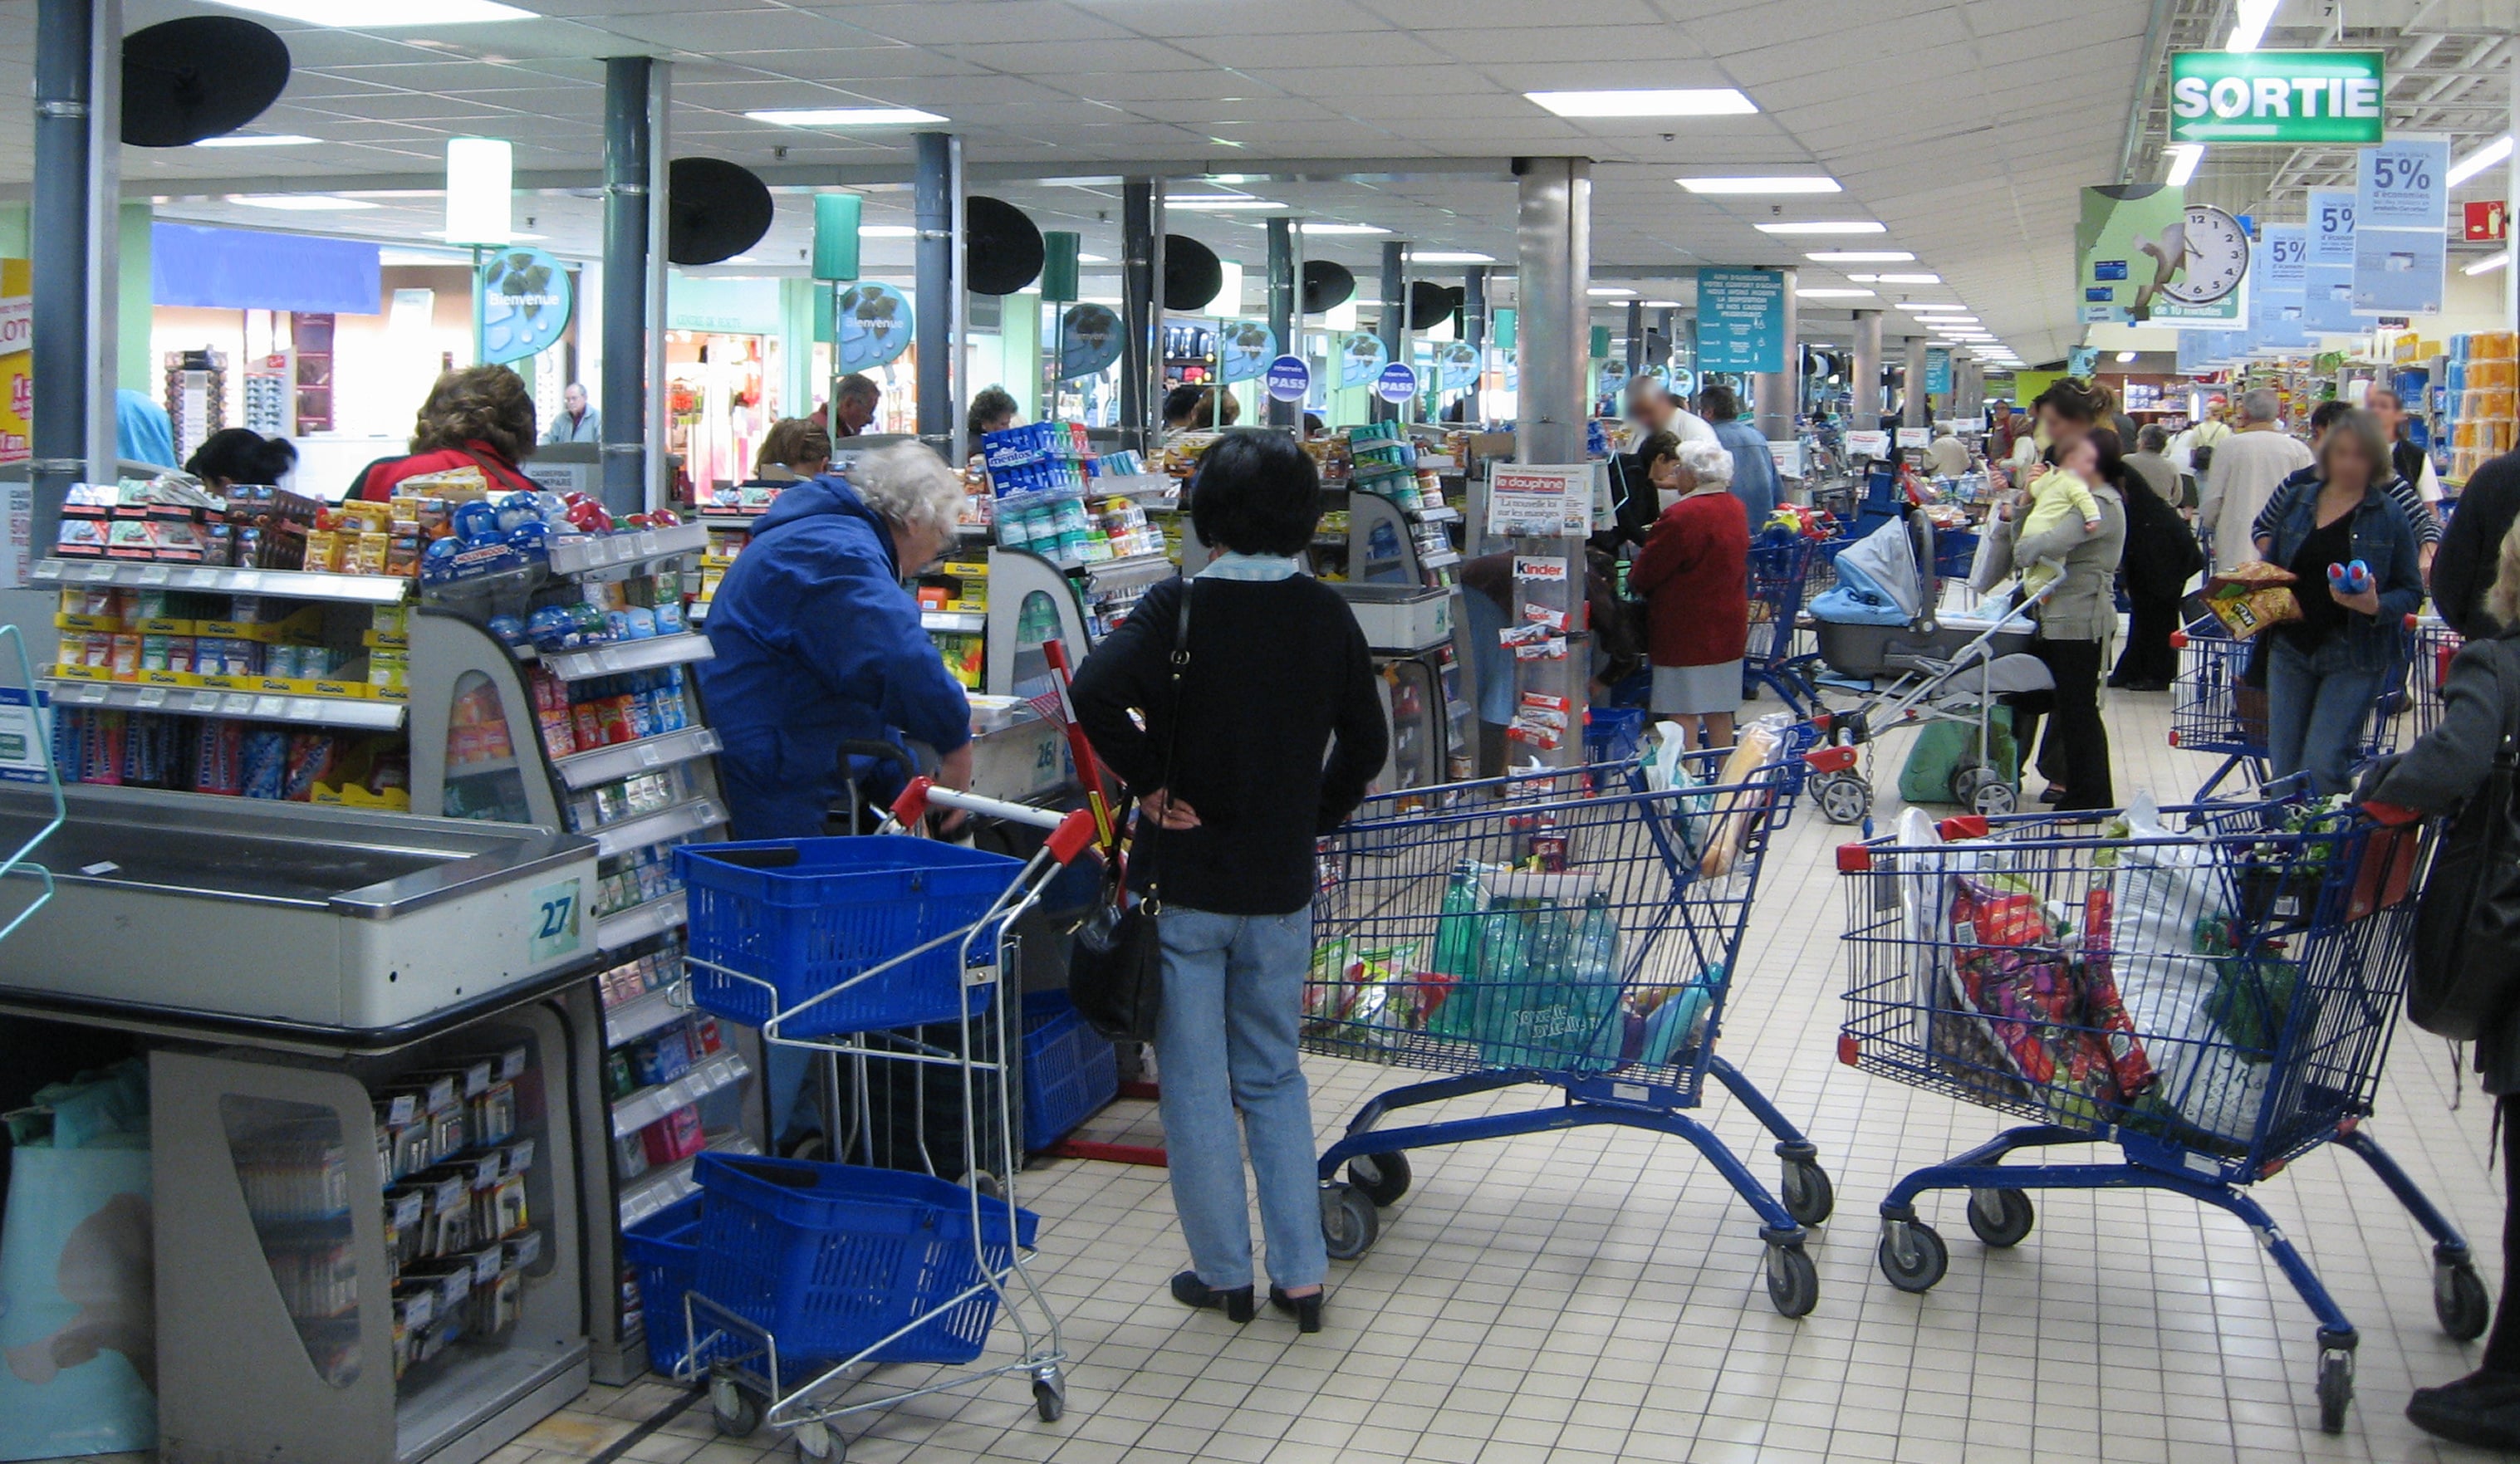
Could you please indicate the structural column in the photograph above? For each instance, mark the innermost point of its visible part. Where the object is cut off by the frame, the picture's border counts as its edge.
(74, 239)
(1474, 330)
(1866, 410)
(629, 152)
(936, 201)
(1635, 340)
(1286, 317)
(1774, 395)
(1142, 273)
(1553, 242)
(1914, 410)
(1394, 328)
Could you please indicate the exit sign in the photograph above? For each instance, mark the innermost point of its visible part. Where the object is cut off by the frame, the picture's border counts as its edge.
(2276, 96)
(2489, 220)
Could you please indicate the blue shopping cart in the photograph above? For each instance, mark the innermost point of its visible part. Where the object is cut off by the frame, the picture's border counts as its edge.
(1535, 931)
(1779, 658)
(2210, 991)
(2215, 709)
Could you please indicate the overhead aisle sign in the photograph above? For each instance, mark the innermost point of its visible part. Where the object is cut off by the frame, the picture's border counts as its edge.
(2283, 97)
(1740, 320)
(2401, 223)
(2327, 263)
(2275, 307)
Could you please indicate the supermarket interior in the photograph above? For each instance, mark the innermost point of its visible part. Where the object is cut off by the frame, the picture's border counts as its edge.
(1147, 729)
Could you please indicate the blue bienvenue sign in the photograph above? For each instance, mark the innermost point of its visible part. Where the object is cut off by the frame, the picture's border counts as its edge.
(1290, 378)
(524, 303)
(1740, 320)
(1397, 384)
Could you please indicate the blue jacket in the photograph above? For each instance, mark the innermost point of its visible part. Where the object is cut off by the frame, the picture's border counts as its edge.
(818, 643)
(2383, 540)
(1754, 471)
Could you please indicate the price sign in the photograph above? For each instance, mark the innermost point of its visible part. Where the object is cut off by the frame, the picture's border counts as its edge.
(2404, 183)
(1867, 444)
(1547, 503)
(1915, 437)
(154, 574)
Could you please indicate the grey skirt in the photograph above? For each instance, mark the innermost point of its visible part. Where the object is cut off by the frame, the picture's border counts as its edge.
(1697, 690)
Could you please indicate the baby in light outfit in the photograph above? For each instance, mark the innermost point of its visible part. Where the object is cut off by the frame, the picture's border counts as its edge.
(2058, 496)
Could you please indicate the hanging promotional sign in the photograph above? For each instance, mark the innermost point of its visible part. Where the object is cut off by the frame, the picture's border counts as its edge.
(1457, 366)
(1362, 357)
(2200, 273)
(1288, 377)
(2275, 310)
(1541, 502)
(2399, 271)
(2401, 219)
(1243, 350)
(873, 326)
(1397, 382)
(2287, 97)
(1088, 340)
(526, 303)
(1683, 382)
(1938, 371)
(2117, 224)
(1740, 320)
(2327, 263)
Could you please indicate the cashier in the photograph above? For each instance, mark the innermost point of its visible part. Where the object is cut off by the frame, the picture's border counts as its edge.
(818, 645)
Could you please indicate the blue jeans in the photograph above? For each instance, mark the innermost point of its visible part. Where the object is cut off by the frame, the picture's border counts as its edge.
(2317, 707)
(1234, 992)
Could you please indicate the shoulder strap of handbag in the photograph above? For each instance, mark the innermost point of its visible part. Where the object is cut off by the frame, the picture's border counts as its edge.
(1154, 900)
(2506, 753)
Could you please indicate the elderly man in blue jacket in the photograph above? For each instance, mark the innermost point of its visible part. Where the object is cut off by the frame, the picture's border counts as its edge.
(817, 643)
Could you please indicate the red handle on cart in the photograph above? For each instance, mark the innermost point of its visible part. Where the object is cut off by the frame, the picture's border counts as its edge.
(1069, 832)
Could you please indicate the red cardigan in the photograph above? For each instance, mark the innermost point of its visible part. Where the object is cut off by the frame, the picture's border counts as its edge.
(1696, 576)
(378, 482)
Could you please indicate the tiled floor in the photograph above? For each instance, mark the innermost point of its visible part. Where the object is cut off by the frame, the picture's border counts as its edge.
(1597, 1295)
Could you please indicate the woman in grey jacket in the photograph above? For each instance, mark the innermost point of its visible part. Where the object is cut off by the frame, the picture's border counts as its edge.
(2435, 776)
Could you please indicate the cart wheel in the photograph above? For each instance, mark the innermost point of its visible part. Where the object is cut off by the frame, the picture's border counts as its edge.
(1793, 1282)
(1993, 797)
(1808, 1196)
(1350, 1223)
(2335, 1389)
(1049, 1398)
(2002, 1217)
(1844, 798)
(1384, 1178)
(1912, 1256)
(816, 1441)
(1964, 783)
(2459, 1301)
(736, 1409)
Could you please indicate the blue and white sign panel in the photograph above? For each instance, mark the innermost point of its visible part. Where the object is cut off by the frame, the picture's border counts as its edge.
(2327, 265)
(2401, 219)
(1289, 378)
(1740, 320)
(2398, 271)
(1397, 384)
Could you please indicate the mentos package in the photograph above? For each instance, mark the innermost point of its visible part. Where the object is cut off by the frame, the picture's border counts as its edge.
(263, 759)
(218, 765)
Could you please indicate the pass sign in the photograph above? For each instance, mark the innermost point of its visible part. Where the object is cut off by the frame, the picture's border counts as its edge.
(2276, 97)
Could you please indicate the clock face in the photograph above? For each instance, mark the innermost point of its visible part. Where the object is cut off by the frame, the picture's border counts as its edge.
(2217, 258)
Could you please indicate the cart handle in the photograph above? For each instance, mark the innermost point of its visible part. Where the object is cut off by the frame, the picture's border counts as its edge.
(1070, 831)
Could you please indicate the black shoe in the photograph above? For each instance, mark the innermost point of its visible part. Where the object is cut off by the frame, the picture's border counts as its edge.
(2481, 1409)
(1191, 1291)
(2052, 793)
(1305, 1309)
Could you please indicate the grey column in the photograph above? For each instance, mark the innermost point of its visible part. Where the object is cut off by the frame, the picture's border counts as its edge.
(75, 242)
(1914, 410)
(1774, 395)
(1554, 240)
(1866, 407)
(1394, 328)
(1474, 330)
(1142, 273)
(1664, 321)
(1284, 271)
(1635, 340)
(935, 279)
(626, 154)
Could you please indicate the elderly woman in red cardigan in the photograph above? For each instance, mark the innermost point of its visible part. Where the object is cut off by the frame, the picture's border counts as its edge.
(1695, 575)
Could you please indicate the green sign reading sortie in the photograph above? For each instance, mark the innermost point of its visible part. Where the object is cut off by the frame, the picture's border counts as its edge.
(2276, 96)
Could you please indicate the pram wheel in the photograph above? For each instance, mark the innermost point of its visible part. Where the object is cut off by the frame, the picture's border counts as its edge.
(2002, 1217)
(1844, 798)
(2459, 1301)
(1912, 1256)
(1350, 1225)
(1982, 790)
(1384, 1178)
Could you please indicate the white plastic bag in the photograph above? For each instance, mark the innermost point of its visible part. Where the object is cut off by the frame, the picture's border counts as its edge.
(2163, 889)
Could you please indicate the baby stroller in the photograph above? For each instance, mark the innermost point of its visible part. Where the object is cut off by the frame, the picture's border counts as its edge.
(1883, 629)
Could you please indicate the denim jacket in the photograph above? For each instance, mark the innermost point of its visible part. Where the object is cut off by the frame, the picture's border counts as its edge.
(2381, 540)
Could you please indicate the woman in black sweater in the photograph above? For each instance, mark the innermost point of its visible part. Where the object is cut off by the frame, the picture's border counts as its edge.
(1231, 793)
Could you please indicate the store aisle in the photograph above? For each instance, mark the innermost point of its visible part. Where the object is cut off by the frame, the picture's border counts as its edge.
(1597, 1296)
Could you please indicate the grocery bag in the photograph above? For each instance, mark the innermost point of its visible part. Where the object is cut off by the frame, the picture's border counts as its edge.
(77, 1309)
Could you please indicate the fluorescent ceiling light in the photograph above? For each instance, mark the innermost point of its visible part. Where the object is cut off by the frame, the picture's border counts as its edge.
(1827, 226)
(1862, 256)
(384, 15)
(1910, 278)
(1341, 228)
(1662, 304)
(1914, 308)
(1206, 204)
(1833, 295)
(1081, 258)
(256, 139)
(2489, 264)
(2183, 158)
(1608, 292)
(1450, 257)
(1693, 102)
(1760, 185)
(2125, 356)
(2250, 26)
(893, 231)
(2479, 160)
(843, 116)
(301, 203)
(518, 236)
(1941, 318)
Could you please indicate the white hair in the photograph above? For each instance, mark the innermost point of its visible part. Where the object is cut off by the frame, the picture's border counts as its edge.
(910, 487)
(1709, 463)
(2261, 405)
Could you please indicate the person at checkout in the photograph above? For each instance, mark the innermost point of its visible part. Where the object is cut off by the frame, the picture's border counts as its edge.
(819, 644)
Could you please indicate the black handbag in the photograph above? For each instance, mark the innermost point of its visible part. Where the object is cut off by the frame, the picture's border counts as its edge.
(2467, 920)
(1115, 960)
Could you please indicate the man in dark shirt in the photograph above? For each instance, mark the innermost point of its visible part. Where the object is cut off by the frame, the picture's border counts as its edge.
(2471, 547)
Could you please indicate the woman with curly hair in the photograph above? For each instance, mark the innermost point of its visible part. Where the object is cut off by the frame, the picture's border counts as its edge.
(480, 416)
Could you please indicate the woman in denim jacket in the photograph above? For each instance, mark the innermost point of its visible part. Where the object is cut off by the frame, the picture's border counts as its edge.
(2324, 671)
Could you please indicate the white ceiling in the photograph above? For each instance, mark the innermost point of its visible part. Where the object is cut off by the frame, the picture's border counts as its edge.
(1966, 127)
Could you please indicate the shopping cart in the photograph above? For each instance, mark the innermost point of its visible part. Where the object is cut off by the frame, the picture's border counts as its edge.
(807, 1275)
(2431, 644)
(2214, 709)
(2211, 990)
(1777, 659)
(1534, 932)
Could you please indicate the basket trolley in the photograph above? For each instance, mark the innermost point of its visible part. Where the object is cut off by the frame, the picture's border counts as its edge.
(1552, 931)
(2212, 993)
(1779, 660)
(2431, 644)
(807, 1276)
(2213, 710)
